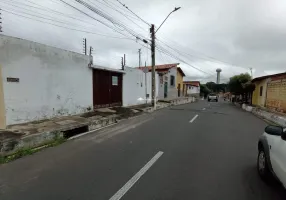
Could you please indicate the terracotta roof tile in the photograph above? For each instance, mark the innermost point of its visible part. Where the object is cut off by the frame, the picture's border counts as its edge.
(164, 67)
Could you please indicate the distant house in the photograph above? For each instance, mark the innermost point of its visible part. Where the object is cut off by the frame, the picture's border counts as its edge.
(270, 92)
(170, 80)
(191, 88)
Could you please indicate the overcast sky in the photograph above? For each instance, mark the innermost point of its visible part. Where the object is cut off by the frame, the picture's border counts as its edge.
(233, 35)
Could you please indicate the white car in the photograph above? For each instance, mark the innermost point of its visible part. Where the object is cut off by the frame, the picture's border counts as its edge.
(213, 97)
(271, 158)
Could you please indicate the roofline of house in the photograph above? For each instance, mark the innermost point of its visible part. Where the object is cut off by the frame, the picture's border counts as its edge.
(268, 76)
(180, 70)
(107, 69)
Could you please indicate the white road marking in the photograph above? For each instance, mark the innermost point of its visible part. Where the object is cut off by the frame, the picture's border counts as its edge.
(204, 108)
(194, 118)
(120, 193)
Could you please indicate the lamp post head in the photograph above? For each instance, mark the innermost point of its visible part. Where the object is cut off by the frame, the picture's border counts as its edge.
(176, 9)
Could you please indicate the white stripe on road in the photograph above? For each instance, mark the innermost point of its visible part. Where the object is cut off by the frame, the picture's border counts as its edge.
(204, 108)
(195, 117)
(118, 195)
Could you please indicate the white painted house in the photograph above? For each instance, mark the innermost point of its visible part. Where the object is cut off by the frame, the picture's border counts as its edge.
(170, 80)
(39, 81)
(192, 88)
(135, 88)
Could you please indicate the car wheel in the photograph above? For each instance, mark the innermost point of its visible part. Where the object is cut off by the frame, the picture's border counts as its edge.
(262, 165)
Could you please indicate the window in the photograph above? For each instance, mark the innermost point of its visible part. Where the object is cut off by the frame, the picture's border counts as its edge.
(172, 81)
(261, 90)
(114, 80)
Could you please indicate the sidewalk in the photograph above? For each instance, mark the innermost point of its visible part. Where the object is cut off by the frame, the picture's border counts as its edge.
(40, 133)
(274, 117)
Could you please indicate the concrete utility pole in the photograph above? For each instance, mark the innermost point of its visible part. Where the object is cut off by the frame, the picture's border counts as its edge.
(153, 37)
(145, 73)
(0, 22)
(139, 51)
(152, 31)
(123, 62)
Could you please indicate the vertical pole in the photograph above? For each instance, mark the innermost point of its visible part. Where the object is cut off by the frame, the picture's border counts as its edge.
(152, 30)
(139, 51)
(146, 83)
(0, 22)
(124, 60)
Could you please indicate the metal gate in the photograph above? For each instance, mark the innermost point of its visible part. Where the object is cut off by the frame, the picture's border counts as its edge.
(107, 88)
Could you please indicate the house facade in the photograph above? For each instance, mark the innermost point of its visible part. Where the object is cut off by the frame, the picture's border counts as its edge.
(40, 82)
(270, 92)
(170, 80)
(137, 86)
(192, 88)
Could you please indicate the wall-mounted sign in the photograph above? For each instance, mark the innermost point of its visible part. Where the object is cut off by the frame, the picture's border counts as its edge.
(14, 80)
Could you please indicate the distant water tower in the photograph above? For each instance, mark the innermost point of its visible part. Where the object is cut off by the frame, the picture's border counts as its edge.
(218, 71)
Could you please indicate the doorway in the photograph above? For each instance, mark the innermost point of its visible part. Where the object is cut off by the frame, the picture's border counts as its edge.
(165, 89)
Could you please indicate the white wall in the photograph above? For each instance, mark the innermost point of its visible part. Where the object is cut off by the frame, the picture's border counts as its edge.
(134, 86)
(172, 90)
(52, 81)
(193, 90)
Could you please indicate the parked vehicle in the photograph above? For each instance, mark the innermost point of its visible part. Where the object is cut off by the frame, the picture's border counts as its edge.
(213, 97)
(271, 159)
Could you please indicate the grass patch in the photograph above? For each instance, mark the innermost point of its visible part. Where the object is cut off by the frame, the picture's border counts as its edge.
(29, 151)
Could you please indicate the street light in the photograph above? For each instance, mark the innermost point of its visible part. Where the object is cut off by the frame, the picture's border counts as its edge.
(168, 16)
(152, 31)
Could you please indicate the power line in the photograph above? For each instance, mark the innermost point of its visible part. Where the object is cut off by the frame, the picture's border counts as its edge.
(109, 18)
(181, 60)
(46, 10)
(133, 13)
(65, 27)
(123, 14)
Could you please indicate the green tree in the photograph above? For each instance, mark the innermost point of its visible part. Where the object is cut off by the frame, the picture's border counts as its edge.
(241, 85)
(211, 86)
(236, 83)
(204, 90)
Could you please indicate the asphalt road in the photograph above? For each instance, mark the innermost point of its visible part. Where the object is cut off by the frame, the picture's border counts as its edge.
(199, 151)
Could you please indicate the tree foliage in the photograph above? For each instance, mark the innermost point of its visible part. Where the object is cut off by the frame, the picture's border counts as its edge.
(217, 87)
(241, 84)
(204, 90)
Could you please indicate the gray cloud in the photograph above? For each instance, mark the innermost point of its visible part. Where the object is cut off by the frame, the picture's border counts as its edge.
(242, 33)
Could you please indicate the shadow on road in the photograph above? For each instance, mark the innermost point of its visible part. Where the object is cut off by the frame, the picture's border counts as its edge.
(260, 188)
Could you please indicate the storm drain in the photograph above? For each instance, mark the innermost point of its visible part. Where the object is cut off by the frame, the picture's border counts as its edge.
(75, 131)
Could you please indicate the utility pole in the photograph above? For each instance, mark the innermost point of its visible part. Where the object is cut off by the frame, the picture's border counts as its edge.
(123, 62)
(90, 50)
(0, 22)
(251, 72)
(145, 73)
(84, 46)
(139, 51)
(90, 55)
(152, 31)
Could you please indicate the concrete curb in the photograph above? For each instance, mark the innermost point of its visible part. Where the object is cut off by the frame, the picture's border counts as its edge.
(272, 117)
